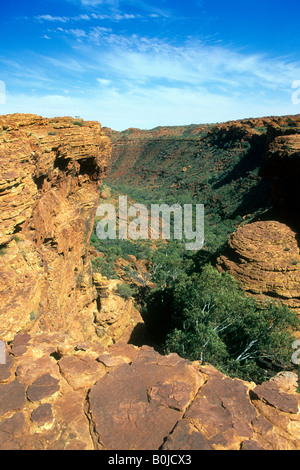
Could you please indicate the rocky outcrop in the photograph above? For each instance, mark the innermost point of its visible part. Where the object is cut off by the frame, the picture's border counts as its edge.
(117, 319)
(281, 166)
(264, 257)
(56, 394)
(50, 175)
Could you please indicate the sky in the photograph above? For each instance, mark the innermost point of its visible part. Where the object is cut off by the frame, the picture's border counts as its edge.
(136, 63)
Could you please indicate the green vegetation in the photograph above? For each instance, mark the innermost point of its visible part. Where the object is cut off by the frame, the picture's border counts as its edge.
(125, 291)
(215, 322)
(194, 310)
(3, 250)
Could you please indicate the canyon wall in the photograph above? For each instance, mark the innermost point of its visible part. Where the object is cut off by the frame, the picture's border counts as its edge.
(265, 255)
(50, 175)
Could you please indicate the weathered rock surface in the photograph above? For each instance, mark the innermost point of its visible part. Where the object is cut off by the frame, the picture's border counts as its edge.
(62, 395)
(264, 257)
(49, 183)
(118, 320)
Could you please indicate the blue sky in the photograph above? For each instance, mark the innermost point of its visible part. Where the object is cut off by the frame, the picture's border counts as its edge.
(143, 64)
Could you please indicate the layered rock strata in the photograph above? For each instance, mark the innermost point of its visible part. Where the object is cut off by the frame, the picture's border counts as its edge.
(264, 257)
(50, 175)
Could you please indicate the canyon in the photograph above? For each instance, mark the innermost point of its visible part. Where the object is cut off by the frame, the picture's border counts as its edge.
(75, 376)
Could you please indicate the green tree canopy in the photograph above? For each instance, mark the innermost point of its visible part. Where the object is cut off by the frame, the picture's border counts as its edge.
(214, 321)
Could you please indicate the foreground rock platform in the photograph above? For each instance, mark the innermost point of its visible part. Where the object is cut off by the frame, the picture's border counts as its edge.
(59, 395)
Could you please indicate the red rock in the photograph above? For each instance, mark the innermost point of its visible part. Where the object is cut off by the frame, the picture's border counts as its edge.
(264, 257)
(6, 369)
(44, 386)
(10, 431)
(186, 437)
(270, 393)
(20, 344)
(81, 373)
(145, 395)
(251, 445)
(51, 170)
(221, 405)
(12, 397)
(42, 415)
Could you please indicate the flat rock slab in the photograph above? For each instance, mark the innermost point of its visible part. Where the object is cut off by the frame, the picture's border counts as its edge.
(42, 415)
(136, 407)
(12, 397)
(43, 387)
(270, 393)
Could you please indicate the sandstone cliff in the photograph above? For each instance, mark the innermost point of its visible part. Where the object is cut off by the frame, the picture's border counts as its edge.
(50, 175)
(248, 169)
(264, 257)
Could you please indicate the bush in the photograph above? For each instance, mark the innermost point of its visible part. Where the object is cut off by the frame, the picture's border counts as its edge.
(124, 290)
(215, 322)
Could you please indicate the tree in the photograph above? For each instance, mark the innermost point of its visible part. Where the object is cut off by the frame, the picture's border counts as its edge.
(214, 321)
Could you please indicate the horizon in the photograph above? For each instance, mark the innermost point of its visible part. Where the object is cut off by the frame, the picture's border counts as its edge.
(139, 64)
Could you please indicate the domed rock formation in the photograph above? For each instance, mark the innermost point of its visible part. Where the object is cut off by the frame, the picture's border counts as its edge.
(264, 257)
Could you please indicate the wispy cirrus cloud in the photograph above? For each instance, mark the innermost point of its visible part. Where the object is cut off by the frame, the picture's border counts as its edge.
(102, 68)
(61, 19)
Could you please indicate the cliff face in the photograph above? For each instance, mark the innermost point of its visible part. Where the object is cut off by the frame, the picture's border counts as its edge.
(264, 256)
(50, 175)
(281, 166)
(199, 158)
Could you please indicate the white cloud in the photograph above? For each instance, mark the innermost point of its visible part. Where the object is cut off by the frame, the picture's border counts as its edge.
(148, 108)
(137, 60)
(104, 81)
(132, 81)
(62, 19)
(77, 33)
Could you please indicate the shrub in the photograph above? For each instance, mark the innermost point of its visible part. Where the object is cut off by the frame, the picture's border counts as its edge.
(124, 290)
(214, 321)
